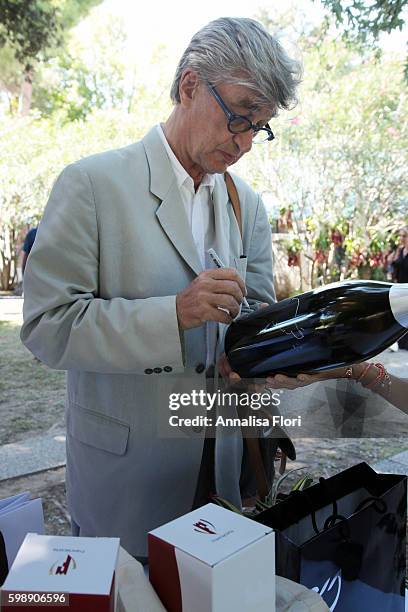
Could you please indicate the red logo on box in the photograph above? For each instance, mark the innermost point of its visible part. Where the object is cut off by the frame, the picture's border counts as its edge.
(64, 567)
(205, 527)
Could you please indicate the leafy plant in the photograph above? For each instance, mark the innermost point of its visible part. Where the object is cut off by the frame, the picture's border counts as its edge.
(272, 499)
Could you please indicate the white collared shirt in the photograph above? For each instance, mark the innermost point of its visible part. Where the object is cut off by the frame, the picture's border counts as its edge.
(199, 209)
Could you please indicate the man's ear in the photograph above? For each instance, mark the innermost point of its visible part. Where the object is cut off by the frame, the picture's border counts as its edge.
(188, 86)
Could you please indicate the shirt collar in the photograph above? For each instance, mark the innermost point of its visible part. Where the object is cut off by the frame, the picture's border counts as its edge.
(182, 176)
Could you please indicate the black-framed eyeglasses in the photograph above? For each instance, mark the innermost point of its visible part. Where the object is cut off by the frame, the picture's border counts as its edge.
(237, 124)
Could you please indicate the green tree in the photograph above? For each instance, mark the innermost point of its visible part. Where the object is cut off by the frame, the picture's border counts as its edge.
(30, 32)
(367, 20)
(96, 71)
(363, 21)
(339, 160)
(34, 151)
(34, 27)
(90, 72)
(29, 27)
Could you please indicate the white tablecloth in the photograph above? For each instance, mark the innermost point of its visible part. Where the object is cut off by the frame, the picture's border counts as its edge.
(136, 594)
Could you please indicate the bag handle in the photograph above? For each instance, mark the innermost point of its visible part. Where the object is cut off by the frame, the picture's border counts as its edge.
(323, 483)
(379, 505)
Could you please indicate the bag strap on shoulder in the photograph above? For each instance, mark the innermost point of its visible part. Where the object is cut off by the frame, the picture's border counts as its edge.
(234, 199)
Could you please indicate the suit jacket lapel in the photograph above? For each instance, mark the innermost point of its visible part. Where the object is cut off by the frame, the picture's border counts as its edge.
(171, 213)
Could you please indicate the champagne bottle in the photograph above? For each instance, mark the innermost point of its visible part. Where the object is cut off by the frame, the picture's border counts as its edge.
(328, 327)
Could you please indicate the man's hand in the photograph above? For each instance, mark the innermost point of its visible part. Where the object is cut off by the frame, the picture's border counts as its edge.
(202, 299)
(225, 369)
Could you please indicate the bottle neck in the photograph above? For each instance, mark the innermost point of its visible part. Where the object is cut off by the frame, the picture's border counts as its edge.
(399, 303)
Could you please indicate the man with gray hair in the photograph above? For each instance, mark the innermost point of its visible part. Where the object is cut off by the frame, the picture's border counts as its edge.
(121, 292)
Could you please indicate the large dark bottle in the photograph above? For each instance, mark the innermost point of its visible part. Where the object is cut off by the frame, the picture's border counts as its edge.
(336, 325)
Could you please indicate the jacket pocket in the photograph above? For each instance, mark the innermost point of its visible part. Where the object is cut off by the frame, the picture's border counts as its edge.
(98, 430)
(241, 266)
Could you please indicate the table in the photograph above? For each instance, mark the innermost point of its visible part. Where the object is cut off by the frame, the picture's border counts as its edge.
(136, 594)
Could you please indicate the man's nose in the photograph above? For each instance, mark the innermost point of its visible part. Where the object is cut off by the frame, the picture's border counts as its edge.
(244, 141)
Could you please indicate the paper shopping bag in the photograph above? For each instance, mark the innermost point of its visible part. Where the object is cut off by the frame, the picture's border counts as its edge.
(345, 539)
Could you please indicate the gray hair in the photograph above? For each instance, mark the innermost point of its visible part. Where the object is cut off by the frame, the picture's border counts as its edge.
(241, 51)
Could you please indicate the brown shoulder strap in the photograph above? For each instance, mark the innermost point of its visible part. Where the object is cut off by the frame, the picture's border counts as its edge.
(234, 198)
(254, 450)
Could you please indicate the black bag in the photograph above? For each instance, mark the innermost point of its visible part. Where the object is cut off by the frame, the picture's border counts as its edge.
(3, 560)
(345, 539)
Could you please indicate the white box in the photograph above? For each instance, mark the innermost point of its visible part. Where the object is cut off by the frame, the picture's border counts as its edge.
(213, 560)
(19, 515)
(83, 568)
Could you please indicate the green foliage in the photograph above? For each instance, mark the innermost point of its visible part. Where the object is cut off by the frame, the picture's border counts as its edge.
(87, 99)
(90, 73)
(336, 173)
(363, 21)
(274, 496)
(33, 153)
(96, 71)
(33, 27)
(367, 19)
(31, 32)
(340, 160)
(71, 12)
(10, 77)
(29, 26)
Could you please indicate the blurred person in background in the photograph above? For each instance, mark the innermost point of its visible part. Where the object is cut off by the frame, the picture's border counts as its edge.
(399, 264)
(27, 246)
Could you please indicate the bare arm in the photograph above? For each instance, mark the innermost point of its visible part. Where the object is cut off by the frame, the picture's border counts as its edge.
(395, 392)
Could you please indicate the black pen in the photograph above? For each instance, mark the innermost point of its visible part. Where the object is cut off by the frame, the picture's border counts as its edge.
(220, 265)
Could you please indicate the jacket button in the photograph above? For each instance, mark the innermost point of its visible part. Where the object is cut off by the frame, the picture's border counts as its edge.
(148, 371)
(168, 369)
(157, 370)
(200, 368)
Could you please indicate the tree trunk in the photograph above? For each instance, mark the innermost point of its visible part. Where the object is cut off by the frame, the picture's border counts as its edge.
(8, 263)
(26, 90)
(4, 272)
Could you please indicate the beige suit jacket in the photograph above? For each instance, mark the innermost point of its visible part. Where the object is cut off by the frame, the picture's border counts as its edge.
(112, 251)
